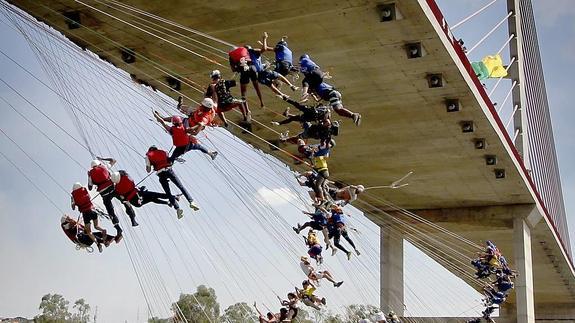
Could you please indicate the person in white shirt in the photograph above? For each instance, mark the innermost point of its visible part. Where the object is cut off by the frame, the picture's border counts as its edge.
(314, 275)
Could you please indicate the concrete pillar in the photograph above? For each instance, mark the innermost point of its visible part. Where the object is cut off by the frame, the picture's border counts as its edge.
(391, 270)
(523, 263)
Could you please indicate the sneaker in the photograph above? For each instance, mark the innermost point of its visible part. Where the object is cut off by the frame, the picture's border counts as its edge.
(108, 241)
(349, 255)
(284, 136)
(319, 260)
(118, 237)
(357, 119)
(180, 101)
(180, 160)
(323, 301)
(134, 223)
(214, 154)
(294, 88)
(337, 284)
(357, 252)
(100, 249)
(333, 251)
(249, 117)
(286, 112)
(193, 206)
(275, 123)
(180, 213)
(297, 230)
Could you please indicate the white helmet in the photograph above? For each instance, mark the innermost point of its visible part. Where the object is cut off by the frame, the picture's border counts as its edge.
(360, 188)
(76, 186)
(215, 73)
(95, 163)
(208, 103)
(115, 177)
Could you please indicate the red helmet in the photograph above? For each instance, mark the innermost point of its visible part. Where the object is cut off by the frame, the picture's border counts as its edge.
(176, 120)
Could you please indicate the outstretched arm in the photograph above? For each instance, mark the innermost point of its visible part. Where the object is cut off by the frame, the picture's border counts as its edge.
(110, 160)
(265, 43)
(161, 120)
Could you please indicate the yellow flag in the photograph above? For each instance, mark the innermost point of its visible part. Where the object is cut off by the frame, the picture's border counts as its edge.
(494, 65)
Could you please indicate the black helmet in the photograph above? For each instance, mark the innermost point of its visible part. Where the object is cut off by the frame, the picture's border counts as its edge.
(152, 148)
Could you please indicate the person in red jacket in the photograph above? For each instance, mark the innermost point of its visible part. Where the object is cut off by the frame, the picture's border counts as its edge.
(181, 137)
(129, 194)
(99, 176)
(81, 198)
(157, 160)
(75, 232)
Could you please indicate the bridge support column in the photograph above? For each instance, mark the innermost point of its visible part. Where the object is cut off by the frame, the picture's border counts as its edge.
(391, 270)
(523, 263)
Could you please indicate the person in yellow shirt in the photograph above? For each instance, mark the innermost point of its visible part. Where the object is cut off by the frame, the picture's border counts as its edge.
(315, 248)
(306, 294)
(318, 154)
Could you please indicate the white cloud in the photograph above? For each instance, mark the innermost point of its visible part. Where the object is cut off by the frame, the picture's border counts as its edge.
(276, 196)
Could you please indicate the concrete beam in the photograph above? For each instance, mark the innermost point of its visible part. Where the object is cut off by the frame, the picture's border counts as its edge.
(523, 263)
(391, 271)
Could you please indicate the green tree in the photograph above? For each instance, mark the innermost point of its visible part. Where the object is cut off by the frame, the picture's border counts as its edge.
(302, 316)
(158, 320)
(356, 312)
(239, 313)
(81, 312)
(54, 309)
(200, 307)
(334, 318)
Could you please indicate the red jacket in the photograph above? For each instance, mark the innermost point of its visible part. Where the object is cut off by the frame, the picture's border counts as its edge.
(179, 136)
(126, 188)
(158, 159)
(82, 199)
(100, 176)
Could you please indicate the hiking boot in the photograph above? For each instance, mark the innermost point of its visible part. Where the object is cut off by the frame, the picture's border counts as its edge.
(337, 284)
(286, 112)
(357, 252)
(214, 154)
(118, 237)
(100, 249)
(333, 251)
(297, 230)
(323, 301)
(180, 213)
(134, 223)
(357, 119)
(193, 206)
(349, 255)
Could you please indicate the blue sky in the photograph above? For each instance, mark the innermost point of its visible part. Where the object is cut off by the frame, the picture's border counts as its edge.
(244, 255)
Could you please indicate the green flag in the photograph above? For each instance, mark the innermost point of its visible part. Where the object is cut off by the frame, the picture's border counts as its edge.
(480, 70)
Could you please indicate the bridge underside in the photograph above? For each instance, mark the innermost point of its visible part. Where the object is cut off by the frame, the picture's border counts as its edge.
(405, 124)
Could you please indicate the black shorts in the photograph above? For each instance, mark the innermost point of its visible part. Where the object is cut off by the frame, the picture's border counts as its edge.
(267, 77)
(313, 79)
(316, 226)
(85, 239)
(283, 67)
(89, 216)
(248, 75)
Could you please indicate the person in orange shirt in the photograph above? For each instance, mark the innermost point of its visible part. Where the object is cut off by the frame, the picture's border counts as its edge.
(183, 131)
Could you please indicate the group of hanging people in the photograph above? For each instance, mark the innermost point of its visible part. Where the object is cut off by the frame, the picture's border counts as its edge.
(329, 197)
(492, 263)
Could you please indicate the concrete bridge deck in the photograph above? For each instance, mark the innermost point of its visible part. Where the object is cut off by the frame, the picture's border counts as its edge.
(405, 124)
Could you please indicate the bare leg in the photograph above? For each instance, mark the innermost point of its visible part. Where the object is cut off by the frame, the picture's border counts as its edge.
(286, 81)
(327, 275)
(276, 90)
(258, 92)
(223, 118)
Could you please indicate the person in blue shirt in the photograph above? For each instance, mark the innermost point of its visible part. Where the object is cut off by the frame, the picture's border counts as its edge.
(337, 229)
(327, 92)
(284, 57)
